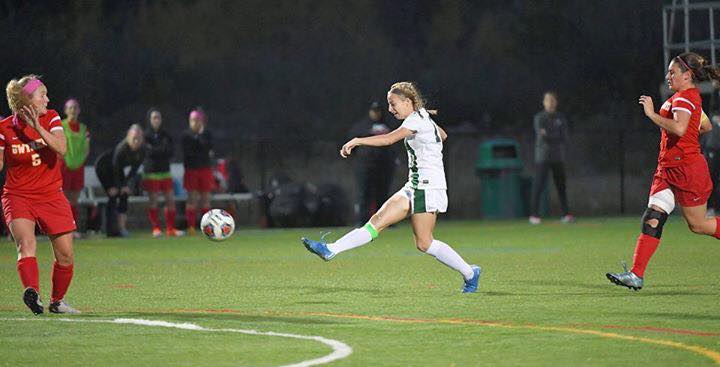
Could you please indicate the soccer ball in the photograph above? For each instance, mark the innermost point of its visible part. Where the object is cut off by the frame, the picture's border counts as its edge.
(217, 224)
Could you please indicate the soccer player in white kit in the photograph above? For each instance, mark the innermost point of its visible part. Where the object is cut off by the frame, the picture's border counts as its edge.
(422, 197)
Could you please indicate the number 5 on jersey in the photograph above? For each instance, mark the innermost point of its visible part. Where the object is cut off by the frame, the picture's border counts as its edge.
(35, 159)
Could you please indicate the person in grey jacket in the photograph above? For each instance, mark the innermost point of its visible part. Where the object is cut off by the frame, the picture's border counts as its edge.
(551, 137)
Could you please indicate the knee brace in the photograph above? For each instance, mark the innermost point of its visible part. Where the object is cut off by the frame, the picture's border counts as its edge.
(123, 204)
(650, 214)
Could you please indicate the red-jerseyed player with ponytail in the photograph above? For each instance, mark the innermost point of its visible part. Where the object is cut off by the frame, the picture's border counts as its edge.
(31, 147)
(682, 172)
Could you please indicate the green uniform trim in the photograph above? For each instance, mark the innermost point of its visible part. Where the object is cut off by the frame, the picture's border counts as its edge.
(157, 175)
(78, 146)
(419, 202)
(414, 176)
(373, 232)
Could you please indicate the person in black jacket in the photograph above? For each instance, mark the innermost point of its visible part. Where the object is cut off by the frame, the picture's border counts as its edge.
(374, 167)
(110, 169)
(551, 138)
(198, 180)
(156, 175)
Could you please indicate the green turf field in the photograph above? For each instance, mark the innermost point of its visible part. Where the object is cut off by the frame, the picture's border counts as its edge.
(543, 300)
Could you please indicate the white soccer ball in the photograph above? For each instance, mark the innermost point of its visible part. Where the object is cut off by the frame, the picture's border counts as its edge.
(217, 224)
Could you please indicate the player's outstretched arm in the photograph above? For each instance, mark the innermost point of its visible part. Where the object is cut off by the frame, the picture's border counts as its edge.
(376, 141)
(2, 159)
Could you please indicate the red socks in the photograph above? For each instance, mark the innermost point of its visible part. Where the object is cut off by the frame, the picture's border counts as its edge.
(27, 268)
(717, 228)
(153, 215)
(190, 215)
(170, 218)
(645, 248)
(61, 277)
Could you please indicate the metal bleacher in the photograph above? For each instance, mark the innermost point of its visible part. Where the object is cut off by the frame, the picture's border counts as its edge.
(89, 195)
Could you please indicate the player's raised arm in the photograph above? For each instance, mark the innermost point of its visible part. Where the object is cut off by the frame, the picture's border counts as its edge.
(55, 138)
(376, 141)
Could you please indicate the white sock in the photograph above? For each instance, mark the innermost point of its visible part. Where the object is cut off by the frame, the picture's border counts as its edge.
(355, 238)
(446, 255)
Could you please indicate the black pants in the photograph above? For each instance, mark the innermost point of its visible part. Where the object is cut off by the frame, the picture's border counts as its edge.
(117, 203)
(374, 187)
(713, 160)
(541, 173)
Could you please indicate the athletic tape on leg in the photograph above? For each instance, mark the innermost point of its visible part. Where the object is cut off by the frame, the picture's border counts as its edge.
(373, 232)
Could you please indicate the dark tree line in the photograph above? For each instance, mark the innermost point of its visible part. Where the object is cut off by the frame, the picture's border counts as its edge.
(278, 69)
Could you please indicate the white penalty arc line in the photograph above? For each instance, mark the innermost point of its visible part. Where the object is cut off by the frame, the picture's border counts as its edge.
(340, 349)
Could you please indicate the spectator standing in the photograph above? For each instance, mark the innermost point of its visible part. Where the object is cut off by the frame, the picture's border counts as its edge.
(374, 167)
(551, 137)
(198, 180)
(156, 177)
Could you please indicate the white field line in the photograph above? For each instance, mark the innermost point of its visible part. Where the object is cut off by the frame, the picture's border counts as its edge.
(340, 349)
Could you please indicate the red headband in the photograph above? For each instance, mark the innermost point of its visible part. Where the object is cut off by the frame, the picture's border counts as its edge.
(685, 65)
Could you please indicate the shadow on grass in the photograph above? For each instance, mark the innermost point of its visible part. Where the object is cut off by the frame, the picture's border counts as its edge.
(603, 286)
(330, 290)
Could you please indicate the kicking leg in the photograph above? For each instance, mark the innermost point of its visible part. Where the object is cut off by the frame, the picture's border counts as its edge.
(393, 211)
(699, 223)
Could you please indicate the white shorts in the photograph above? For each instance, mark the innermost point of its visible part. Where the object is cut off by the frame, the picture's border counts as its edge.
(425, 201)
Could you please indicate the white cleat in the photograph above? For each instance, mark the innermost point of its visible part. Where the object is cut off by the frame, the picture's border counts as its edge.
(534, 220)
(63, 308)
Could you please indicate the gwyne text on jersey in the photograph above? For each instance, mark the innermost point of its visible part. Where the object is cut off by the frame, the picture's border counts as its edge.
(29, 147)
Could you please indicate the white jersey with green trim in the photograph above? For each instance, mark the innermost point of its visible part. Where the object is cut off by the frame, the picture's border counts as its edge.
(424, 147)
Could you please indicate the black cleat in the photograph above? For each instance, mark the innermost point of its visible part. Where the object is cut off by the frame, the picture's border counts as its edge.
(32, 300)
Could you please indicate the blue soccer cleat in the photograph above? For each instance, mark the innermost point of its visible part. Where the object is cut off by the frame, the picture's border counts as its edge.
(471, 285)
(318, 248)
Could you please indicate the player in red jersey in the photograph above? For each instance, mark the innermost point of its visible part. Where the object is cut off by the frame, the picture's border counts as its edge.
(32, 144)
(682, 173)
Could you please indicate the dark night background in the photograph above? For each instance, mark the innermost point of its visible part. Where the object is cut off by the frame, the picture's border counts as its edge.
(284, 69)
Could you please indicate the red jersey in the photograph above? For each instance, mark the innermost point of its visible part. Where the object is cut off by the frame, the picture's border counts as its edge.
(675, 150)
(33, 169)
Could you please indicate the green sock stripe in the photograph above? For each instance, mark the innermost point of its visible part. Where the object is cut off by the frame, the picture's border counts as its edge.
(373, 232)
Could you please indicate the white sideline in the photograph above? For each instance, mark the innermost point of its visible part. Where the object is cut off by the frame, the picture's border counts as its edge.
(340, 349)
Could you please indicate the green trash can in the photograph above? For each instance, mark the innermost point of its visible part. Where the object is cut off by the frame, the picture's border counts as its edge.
(501, 186)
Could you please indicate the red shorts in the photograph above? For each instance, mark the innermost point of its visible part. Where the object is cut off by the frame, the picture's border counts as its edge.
(54, 216)
(73, 180)
(691, 184)
(157, 185)
(199, 179)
